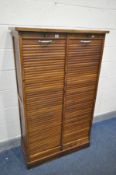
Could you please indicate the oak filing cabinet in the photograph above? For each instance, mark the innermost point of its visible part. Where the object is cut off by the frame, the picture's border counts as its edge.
(57, 75)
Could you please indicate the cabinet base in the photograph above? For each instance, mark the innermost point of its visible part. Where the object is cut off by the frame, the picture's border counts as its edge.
(56, 155)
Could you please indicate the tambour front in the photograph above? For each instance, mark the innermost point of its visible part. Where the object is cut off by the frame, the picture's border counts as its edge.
(57, 75)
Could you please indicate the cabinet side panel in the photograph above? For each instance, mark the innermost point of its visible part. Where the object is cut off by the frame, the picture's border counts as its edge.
(18, 66)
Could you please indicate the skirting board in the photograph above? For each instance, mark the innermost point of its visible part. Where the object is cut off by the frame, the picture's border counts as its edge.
(12, 143)
(104, 116)
(16, 141)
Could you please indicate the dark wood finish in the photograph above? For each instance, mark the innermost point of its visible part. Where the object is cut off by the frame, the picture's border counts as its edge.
(57, 76)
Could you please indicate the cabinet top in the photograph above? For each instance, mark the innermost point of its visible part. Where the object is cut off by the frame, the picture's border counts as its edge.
(21, 29)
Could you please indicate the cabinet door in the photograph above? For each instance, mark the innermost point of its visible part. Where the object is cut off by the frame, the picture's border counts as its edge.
(43, 64)
(83, 61)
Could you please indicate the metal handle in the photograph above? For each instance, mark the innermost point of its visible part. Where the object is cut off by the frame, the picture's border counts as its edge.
(85, 41)
(45, 41)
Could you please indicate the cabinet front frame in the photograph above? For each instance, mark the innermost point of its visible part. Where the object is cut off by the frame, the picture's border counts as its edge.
(17, 42)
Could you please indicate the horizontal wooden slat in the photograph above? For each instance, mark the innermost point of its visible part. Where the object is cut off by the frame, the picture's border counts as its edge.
(44, 154)
(36, 42)
(43, 131)
(43, 103)
(41, 119)
(76, 143)
(49, 87)
(79, 124)
(76, 135)
(46, 137)
(77, 117)
(38, 111)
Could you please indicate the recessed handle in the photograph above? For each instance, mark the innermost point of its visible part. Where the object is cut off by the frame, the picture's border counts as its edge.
(45, 41)
(85, 41)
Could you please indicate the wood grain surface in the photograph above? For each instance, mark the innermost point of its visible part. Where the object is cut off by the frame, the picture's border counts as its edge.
(44, 83)
(81, 81)
(57, 78)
